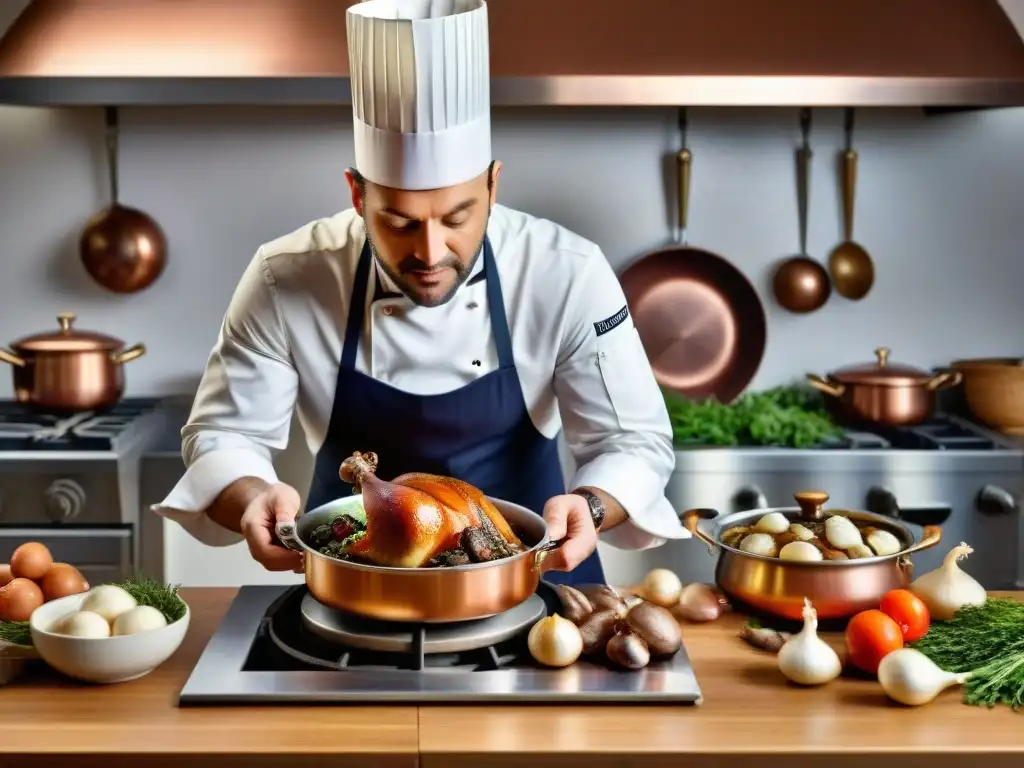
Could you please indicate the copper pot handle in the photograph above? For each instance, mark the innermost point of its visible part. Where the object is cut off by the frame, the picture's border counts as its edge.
(11, 358)
(286, 536)
(825, 387)
(945, 380)
(132, 353)
(931, 536)
(544, 550)
(691, 521)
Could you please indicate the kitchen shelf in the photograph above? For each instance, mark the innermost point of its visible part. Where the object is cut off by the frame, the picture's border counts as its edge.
(860, 53)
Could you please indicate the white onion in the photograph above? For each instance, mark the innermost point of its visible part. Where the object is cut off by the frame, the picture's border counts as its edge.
(947, 589)
(841, 532)
(883, 543)
(909, 677)
(759, 544)
(773, 522)
(662, 587)
(806, 658)
(802, 532)
(800, 550)
(859, 551)
(555, 641)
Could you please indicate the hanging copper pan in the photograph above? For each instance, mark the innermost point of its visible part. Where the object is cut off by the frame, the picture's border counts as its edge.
(701, 322)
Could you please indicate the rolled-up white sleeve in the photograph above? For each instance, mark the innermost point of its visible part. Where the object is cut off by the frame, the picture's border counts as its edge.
(242, 412)
(613, 413)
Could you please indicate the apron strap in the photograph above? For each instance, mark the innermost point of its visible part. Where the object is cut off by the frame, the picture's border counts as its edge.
(495, 304)
(356, 309)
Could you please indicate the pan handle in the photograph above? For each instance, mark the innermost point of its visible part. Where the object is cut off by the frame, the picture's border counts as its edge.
(286, 536)
(825, 387)
(546, 549)
(684, 161)
(803, 176)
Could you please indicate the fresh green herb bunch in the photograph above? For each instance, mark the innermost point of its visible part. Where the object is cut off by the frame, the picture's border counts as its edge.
(163, 597)
(792, 417)
(987, 641)
(16, 632)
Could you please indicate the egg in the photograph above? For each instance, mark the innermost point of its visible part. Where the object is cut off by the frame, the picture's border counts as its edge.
(142, 618)
(18, 599)
(31, 561)
(5, 575)
(109, 601)
(82, 624)
(62, 580)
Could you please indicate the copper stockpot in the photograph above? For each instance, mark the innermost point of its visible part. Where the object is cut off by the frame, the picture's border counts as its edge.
(425, 595)
(994, 391)
(882, 392)
(69, 371)
(837, 588)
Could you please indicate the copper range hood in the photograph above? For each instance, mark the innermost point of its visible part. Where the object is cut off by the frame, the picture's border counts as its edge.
(952, 53)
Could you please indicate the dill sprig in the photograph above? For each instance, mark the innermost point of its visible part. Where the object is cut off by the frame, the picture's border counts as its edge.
(15, 632)
(987, 641)
(163, 597)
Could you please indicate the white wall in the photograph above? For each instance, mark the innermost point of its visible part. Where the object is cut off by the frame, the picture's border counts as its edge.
(940, 209)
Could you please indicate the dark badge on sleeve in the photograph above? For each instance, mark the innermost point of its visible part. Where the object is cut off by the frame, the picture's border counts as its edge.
(611, 323)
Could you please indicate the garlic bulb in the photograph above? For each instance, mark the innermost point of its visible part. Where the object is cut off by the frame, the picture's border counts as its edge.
(661, 587)
(909, 677)
(806, 658)
(841, 532)
(800, 550)
(773, 522)
(555, 642)
(947, 589)
(759, 544)
(858, 551)
(883, 543)
(802, 532)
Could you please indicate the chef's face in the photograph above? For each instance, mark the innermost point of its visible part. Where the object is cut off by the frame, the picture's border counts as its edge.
(426, 241)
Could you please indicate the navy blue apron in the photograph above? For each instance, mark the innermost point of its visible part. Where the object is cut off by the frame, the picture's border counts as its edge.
(480, 433)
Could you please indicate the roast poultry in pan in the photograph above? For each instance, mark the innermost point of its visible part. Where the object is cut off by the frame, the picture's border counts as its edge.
(416, 520)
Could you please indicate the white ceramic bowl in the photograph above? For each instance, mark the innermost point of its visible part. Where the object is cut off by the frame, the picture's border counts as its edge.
(102, 660)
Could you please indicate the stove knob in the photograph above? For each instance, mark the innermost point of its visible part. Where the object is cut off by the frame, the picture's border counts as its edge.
(63, 500)
(882, 501)
(750, 497)
(993, 500)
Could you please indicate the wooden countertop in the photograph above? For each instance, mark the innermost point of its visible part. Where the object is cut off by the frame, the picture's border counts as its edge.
(750, 717)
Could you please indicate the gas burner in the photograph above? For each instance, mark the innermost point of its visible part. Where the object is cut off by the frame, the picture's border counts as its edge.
(943, 433)
(23, 429)
(331, 639)
(402, 637)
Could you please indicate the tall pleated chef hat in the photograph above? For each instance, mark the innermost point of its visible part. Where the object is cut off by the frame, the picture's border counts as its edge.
(420, 73)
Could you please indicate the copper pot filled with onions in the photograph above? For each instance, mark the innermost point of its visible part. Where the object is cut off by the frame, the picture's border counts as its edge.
(843, 561)
(422, 548)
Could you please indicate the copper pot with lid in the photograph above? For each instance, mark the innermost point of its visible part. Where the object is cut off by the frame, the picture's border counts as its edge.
(68, 370)
(882, 392)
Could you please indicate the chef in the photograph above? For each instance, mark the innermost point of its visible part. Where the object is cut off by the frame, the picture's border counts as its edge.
(431, 325)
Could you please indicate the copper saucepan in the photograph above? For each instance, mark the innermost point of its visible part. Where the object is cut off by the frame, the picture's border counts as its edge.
(69, 371)
(700, 320)
(837, 588)
(882, 392)
(425, 595)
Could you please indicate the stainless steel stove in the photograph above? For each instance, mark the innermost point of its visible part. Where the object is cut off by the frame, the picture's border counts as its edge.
(278, 645)
(73, 483)
(947, 472)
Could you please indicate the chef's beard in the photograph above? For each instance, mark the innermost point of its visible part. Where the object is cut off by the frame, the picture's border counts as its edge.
(411, 263)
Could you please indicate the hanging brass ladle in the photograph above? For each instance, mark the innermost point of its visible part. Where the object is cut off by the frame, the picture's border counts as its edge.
(850, 266)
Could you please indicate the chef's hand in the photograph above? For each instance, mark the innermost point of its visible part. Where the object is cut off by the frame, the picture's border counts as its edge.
(569, 515)
(278, 504)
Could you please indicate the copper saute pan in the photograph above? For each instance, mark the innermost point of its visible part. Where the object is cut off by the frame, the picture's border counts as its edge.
(426, 595)
(838, 588)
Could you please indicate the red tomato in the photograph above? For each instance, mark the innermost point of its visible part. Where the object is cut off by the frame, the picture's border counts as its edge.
(907, 610)
(870, 637)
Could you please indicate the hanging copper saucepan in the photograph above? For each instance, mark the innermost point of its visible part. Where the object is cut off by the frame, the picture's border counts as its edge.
(122, 248)
(699, 318)
(69, 371)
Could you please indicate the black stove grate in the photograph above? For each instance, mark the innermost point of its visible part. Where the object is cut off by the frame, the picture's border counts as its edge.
(938, 434)
(24, 429)
(284, 644)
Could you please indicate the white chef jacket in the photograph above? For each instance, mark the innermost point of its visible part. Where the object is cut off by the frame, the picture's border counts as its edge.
(280, 345)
